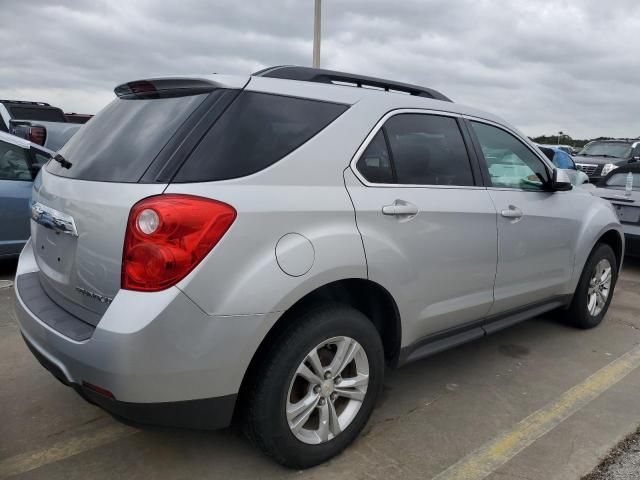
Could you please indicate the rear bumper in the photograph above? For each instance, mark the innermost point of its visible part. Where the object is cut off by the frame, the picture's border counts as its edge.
(163, 359)
(208, 413)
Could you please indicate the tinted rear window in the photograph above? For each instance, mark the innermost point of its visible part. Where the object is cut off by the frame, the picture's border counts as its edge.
(121, 141)
(256, 131)
(428, 150)
(44, 114)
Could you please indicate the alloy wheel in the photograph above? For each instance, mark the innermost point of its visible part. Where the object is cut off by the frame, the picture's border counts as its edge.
(599, 287)
(327, 390)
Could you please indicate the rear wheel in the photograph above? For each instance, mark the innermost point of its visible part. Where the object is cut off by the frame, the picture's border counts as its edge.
(595, 288)
(319, 384)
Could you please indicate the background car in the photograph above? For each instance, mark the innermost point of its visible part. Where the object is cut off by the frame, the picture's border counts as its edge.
(565, 148)
(20, 161)
(562, 159)
(37, 122)
(600, 157)
(613, 188)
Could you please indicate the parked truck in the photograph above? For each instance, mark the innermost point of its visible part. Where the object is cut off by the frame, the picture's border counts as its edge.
(37, 122)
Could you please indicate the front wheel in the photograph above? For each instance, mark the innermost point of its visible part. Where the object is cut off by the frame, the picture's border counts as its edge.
(595, 288)
(320, 383)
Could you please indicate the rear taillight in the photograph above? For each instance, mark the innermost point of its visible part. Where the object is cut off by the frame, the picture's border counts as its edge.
(37, 135)
(167, 236)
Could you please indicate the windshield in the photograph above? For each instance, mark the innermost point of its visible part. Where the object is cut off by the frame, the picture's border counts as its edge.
(618, 181)
(611, 149)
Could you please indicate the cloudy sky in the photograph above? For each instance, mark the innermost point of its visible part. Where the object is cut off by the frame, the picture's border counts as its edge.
(545, 65)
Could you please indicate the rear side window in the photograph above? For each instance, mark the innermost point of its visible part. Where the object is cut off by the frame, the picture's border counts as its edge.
(43, 114)
(428, 150)
(121, 141)
(375, 164)
(256, 131)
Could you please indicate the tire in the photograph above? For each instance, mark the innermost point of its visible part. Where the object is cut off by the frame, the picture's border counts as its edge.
(278, 381)
(579, 314)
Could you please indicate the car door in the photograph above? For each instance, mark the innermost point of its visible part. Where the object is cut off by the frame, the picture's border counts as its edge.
(428, 227)
(537, 229)
(15, 191)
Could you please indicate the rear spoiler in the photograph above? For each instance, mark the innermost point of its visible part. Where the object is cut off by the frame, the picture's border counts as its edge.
(177, 87)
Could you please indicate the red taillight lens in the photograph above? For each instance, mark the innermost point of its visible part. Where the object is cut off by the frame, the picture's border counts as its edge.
(167, 236)
(37, 135)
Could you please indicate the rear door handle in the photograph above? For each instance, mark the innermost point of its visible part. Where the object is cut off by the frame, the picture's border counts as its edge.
(512, 212)
(399, 208)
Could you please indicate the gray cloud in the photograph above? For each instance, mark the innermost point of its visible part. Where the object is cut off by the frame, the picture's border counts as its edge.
(548, 65)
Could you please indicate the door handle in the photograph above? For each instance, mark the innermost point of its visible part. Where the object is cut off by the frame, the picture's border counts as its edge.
(512, 212)
(399, 208)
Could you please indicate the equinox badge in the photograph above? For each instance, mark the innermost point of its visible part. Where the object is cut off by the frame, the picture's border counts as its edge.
(100, 298)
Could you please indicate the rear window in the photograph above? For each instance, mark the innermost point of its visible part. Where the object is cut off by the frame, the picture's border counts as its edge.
(44, 114)
(256, 131)
(121, 142)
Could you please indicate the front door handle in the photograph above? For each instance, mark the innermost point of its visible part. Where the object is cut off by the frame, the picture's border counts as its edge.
(399, 208)
(512, 212)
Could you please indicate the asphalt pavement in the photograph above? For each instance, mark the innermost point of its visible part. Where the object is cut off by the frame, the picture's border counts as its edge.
(540, 400)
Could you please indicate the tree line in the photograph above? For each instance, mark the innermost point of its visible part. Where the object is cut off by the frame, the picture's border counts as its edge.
(566, 140)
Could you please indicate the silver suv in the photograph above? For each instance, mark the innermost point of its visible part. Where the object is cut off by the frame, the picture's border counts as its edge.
(261, 247)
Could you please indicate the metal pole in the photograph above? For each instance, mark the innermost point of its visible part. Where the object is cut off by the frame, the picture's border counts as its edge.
(317, 21)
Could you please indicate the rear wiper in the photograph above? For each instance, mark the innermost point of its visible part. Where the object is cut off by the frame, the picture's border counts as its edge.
(62, 161)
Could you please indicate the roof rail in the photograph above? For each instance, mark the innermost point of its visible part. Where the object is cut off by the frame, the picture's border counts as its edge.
(320, 75)
(24, 102)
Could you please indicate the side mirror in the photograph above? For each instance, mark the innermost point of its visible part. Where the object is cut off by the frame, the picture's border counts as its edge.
(560, 181)
(634, 159)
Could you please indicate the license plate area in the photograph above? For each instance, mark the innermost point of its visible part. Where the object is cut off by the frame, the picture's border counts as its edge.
(55, 253)
(628, 214)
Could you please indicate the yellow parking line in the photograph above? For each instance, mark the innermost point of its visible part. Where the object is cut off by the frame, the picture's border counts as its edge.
(495, 453)
(25, 462)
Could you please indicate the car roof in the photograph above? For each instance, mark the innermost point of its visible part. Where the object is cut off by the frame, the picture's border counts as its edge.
(330, 92)
(21, 142)
(553, 147)
(618, 140)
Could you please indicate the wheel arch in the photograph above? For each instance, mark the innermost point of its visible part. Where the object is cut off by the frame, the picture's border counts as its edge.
(366, 296)
(615, 240)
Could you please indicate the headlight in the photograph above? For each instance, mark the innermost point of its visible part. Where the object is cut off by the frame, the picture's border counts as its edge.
(607, 168)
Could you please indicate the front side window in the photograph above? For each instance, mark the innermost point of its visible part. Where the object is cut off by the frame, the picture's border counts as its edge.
(510, 163)
(13, 163)
(428, 150)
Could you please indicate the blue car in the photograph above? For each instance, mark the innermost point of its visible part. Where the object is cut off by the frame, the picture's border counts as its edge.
(20, 161)
(562, 159)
